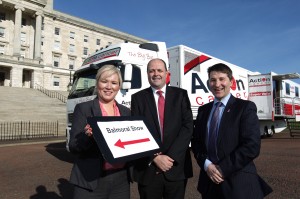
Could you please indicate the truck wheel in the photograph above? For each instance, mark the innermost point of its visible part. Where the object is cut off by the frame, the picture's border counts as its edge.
(265, 131)
(271, 132)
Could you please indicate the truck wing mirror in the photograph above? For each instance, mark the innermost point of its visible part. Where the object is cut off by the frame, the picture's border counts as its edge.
(128, 72)
(126, 85)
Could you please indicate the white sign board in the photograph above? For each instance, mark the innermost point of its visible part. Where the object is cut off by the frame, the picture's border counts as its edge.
(261, 93)
(123, 138)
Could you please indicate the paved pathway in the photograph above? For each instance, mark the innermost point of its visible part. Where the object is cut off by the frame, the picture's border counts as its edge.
(41, 170)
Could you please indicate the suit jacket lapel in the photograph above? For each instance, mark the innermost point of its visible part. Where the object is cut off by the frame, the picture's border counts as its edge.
(205, 121)
(169, 98)
(96, 107)
(226, 118)
(151, 103)
(121, 109)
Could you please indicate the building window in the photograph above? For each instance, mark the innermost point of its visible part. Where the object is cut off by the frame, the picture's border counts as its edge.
(287, 89)
(86, 38)
(98, 41)
(85, 51)
(108, 44)
(23, 37)
(56, 81)
(297, 91)
(23, 22)
(22, 52)
(2, 31)
(56, 45)
(72, 35)
(71, 63)
(43, 24)
(2, 49)
(56, 60)
(72, 48)
(2, 16)
(57, 31)
(42, 40)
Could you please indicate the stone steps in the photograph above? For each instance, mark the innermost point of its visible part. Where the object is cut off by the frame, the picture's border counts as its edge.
(25, 104)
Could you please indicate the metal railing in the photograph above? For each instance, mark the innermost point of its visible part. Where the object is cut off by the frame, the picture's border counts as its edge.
(294, 127)
(52, 94)
(27, 130)
(285, 106)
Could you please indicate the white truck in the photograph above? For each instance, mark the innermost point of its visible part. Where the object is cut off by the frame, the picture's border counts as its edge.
(188, 70)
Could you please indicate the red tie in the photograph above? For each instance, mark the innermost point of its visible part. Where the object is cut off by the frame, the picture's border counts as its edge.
(161, 110)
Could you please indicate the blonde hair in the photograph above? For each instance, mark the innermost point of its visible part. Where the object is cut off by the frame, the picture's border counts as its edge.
(109, 70)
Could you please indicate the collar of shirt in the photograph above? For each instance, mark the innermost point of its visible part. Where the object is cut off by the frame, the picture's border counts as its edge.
(224, 100)
(116, 109)
(163, 89)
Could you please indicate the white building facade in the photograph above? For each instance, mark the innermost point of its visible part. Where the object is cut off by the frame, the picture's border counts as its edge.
(42, 47)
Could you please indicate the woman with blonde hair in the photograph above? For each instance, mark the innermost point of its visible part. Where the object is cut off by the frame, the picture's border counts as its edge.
(91, 175)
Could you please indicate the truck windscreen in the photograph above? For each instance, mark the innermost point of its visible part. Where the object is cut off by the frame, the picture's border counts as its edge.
(83, 84)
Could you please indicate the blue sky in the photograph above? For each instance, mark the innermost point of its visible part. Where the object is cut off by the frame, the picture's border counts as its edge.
(260, 35)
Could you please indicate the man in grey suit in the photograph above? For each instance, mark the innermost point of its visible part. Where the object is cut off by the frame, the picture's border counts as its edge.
(164, 175)
(225, 142)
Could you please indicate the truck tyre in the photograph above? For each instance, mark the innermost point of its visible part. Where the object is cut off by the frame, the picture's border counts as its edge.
(265, 131)
(271, 133)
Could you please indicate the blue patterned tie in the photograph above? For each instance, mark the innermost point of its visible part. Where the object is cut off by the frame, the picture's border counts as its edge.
(213, 134)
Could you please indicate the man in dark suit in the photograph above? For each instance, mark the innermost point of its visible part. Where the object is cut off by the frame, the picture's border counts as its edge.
(164, 175)
(226, 143)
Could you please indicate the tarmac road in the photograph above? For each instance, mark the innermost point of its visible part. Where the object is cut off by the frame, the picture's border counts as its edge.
(41, 170)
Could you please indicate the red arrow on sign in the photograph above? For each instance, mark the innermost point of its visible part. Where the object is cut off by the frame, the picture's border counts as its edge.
(121, 144)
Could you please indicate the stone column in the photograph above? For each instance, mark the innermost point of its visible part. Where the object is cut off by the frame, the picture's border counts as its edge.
(18, 23)
(38, 35)
(49, 5)
(16, 77)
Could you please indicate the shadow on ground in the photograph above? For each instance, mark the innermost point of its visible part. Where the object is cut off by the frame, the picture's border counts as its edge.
(59, 151)
(64, 187)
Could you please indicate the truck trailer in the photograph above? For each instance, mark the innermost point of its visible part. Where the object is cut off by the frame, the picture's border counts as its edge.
(276, 96)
